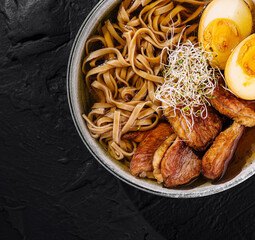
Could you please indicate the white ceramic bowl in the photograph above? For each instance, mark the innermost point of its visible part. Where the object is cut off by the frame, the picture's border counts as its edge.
(79, 102)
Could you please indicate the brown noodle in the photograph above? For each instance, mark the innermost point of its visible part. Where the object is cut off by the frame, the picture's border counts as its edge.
(124, 73)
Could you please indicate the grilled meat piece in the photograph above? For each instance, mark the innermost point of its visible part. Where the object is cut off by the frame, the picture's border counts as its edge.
(158, 156)
(179, 165)
(204, 130)
(135, 136)
(141, 162)
(242, 111)
(217, 158)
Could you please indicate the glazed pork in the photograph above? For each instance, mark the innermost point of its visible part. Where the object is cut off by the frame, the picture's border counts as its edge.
(141, 162)
(158, 156)
(242, 111)
(217, 158)
(135, 136)
(204, 130)
(179, 165)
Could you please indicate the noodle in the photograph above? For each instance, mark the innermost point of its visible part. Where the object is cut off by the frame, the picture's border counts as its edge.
(124, 72)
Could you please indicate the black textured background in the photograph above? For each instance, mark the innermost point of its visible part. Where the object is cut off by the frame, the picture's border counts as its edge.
(51, 188)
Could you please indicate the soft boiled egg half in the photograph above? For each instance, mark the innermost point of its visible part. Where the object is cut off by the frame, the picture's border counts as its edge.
(223, 25)
(240, 69)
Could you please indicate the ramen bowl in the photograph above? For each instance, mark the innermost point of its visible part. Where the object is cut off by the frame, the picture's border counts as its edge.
(80, 101)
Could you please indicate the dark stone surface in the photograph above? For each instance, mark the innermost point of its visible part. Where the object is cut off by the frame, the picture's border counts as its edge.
(51, 188)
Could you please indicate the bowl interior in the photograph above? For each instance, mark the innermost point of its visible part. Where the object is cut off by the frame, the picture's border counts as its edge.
(80, 102)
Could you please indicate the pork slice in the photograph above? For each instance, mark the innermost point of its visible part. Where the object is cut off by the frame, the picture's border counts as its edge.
(202, 134)
(135, 136)
(158, 156)
(141, 162)
(217, 158)
(179, 165)
(241, 111)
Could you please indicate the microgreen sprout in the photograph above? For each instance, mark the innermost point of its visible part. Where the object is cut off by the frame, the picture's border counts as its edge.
(189, 80)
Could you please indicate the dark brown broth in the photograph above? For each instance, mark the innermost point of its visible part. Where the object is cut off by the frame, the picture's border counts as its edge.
(193, 184)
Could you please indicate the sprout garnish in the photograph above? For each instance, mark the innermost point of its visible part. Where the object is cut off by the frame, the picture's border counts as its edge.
(189, 80)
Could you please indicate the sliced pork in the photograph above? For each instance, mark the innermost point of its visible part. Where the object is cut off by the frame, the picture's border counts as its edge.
(202, 134)
(242, 111)
(179, 165)
(217, 158)
(141, 162)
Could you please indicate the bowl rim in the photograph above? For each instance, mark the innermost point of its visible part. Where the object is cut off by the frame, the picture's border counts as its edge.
(111, 166)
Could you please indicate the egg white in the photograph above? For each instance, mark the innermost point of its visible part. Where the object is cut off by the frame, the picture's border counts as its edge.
(235, 10)
(236, 78)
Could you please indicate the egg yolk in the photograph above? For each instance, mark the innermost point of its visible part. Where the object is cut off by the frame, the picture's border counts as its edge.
(221, 36)
(246, 58)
